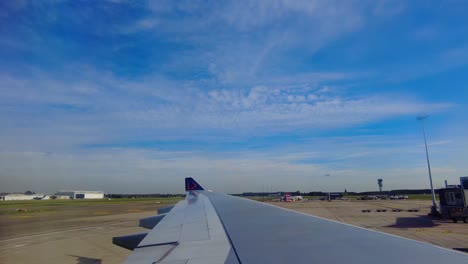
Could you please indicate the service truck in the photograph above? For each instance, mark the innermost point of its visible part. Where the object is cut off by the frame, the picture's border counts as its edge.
(454, 201)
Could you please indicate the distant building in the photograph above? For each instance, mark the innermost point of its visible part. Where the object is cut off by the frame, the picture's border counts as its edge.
(19, 196)
(334, 196)
(60, 197)
(81, 194)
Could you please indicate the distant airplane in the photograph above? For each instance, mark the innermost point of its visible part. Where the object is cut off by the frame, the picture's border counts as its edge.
(209, 227)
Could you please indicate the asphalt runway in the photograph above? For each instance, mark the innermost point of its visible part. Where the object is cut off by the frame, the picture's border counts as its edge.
(71, 233)
(86, 244)
(84, 235)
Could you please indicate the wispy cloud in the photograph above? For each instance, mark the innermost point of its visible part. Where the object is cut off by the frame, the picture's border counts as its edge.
(442, 61)
(138, 165)
(291, 168)
(239, 42)
(440, 142)
(162, 106)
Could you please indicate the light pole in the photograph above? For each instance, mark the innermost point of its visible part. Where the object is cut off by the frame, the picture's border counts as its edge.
(329, 195)
(434, 211)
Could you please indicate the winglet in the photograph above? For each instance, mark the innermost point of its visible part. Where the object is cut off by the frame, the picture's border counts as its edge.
(191, 184)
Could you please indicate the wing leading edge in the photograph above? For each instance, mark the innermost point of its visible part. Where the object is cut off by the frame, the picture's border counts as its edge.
(210, 227)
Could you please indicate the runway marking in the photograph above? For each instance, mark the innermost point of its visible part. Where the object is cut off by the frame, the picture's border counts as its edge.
(17, 246)
(13, 247)
(66, 230)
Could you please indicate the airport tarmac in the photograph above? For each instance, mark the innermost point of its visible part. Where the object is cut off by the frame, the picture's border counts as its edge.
(72, 234)
(413, 225)
(84, 235)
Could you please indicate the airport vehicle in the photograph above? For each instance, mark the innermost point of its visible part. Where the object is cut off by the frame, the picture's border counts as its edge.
(398, 197)
(209, 227)
(454, 201)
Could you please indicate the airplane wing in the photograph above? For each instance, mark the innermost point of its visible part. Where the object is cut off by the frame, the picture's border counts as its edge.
(209, 228)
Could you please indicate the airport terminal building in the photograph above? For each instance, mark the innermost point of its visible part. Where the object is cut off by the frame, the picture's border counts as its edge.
(82, 194)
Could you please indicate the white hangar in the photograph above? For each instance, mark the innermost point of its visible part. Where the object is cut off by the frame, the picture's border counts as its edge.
(82, 194)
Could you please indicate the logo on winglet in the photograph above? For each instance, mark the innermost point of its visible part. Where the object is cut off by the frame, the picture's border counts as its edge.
(191, 184)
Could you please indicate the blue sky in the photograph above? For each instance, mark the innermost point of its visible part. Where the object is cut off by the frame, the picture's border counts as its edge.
(133, 96)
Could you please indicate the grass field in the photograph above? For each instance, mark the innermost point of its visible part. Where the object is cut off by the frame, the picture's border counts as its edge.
(33, 206)
(422, 197)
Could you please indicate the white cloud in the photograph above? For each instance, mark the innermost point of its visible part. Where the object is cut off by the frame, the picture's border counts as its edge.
(106, 108)
(312, 97)
(437, 62)
(440, 142)
(325, 89)
(275, 110)
(145, 24)
(389, 8)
